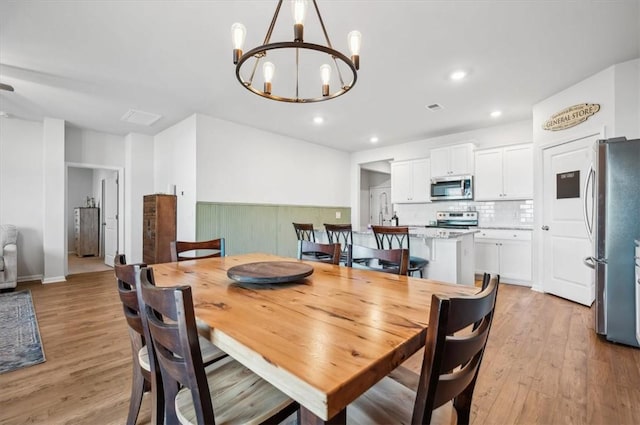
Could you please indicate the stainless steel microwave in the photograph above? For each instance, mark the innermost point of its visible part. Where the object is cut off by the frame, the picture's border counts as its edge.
(452, 188)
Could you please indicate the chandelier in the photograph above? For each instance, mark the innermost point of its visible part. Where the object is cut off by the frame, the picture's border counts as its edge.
(296, 59)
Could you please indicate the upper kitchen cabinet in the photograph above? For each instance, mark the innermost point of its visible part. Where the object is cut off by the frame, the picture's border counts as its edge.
(410, 181)
(504, 173)
(452, 160)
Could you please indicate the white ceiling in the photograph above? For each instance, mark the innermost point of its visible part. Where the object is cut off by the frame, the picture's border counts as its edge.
(89, 62)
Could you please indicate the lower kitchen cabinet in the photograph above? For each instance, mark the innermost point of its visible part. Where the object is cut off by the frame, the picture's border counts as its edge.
(504, 252)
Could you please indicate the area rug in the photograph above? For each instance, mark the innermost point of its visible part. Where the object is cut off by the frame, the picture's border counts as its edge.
(20, 344)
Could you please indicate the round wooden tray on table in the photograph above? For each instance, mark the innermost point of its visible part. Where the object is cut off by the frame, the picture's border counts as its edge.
(265, 272)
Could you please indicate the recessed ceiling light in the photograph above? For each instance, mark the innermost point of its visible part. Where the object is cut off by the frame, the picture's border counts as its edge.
(318, 120)
(496, 114)
(458, 75)
(374, 139)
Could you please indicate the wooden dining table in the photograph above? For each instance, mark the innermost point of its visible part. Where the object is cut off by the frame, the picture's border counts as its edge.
(323, 340)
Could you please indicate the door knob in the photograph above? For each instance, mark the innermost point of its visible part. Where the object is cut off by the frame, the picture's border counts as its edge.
(545, 227)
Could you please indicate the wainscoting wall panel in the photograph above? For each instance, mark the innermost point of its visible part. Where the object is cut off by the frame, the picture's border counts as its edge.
(260, 227)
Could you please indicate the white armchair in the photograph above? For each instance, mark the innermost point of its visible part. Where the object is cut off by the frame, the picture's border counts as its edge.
(8, 256)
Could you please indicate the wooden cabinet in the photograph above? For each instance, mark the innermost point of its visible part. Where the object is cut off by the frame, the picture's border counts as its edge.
(158, 228)
(452, 160)
(504, 173)
(87, 231)
(504, 252)
(410, 181)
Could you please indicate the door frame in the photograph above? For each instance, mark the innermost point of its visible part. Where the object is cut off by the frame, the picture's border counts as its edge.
(120, 176)
(538, 196)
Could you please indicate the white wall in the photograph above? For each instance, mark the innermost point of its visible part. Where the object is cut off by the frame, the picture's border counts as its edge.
(500, 135)
(175, 164)
(236, 163)
(84, 146)
(54, 223)
(616, 90)
(627, 98)
(21, 191)
(79, 186)
(138, 181)
(33, 192)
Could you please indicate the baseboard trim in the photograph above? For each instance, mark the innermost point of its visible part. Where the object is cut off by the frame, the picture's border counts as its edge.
(54, 279)
(30, 278)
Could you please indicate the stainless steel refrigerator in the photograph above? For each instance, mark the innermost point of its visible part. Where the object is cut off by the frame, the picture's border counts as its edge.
(614, 226)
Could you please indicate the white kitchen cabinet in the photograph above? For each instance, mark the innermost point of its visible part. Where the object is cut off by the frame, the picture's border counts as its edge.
(452, 160)
(410, 181)
(504, 173)
(504, 252)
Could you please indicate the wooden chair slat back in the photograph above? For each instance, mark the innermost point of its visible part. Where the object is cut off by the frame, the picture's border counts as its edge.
(340, 233)
(180, 247)
(394, 261)
(313, 251)
(172, 325)
(391, 237)
(304, 231)
(126, 283)
(440, 379)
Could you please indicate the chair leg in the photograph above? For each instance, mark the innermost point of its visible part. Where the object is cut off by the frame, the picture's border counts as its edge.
(137, 390)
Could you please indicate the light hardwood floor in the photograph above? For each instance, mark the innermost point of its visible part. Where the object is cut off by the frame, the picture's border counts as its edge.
(543, 363)
(77, 265)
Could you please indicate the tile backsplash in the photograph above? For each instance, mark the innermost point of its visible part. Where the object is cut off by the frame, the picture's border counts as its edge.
(490, 213)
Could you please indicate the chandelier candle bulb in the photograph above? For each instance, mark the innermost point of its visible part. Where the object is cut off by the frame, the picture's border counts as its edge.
(238, 35)
(355, 41)
(268, 69)
(299, 10)
(325, 75)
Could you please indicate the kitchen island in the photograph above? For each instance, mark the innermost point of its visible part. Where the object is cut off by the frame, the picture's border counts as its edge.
(450, 251)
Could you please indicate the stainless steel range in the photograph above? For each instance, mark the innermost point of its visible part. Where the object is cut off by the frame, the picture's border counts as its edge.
(456, 219)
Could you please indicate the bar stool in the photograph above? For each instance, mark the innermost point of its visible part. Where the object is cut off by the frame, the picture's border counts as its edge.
(342, 234)
(392, 237)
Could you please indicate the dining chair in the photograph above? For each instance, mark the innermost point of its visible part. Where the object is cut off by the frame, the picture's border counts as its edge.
(304, 232)
(342, 234)
(180, 247)
(141, 379)
(389, 237)
(321, 252)
(383, 260)
(143, 370)
(486, 277)
(226, 391)
(453, 353)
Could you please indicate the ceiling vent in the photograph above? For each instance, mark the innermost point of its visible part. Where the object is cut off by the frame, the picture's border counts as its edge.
(140, 117)
(435, 107)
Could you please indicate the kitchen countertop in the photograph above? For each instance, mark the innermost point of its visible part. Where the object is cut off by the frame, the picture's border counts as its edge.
(516, 227)
(429, 232)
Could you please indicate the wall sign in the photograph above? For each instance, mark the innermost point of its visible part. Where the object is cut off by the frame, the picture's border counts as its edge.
(568, 185)
(571, 116)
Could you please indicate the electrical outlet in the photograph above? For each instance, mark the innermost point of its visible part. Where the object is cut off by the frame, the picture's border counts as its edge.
(338, 214)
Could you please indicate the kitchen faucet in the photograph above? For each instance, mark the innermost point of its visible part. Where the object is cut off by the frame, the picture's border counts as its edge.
(386, 207)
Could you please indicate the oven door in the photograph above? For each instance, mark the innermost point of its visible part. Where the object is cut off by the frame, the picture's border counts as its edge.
(451, 188)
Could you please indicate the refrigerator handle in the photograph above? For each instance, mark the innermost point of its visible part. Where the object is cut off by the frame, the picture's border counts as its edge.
(588, 221)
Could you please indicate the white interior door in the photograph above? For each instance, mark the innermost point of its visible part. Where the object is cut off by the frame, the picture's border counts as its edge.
(110, 217)
(565, 239)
